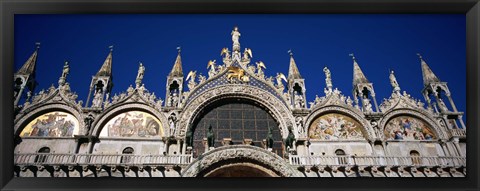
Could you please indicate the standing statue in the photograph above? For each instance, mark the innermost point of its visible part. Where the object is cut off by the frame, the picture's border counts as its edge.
(88, 124)
(189, 138)
(299, 122)
(289, 140)
(97, 99)
(66, 70)
(367, 105)
(172, 121)
(174, 99)
(269, 138)
(393, 82)
(141, 72)
(328, 78)
(235, 37)
(210, 137)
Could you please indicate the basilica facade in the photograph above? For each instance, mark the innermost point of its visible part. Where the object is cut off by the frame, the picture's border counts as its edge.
(235, 122)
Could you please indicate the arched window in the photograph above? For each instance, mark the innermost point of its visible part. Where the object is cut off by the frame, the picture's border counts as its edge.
(41, 158)
(125, 158)
(415, 157)
(341, 156)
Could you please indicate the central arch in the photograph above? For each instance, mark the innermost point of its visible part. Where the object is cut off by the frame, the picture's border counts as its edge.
(250, 161)
(278, 109)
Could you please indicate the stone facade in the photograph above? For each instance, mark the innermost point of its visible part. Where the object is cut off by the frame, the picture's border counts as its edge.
(137, 134)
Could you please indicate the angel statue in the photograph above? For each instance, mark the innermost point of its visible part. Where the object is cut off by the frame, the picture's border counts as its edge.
(191, 75)
(280, 77)
(225, 52)
(211, 65)
(260, 65)
(247, 54)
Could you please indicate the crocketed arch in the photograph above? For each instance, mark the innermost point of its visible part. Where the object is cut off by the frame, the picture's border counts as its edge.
(431, 124)
(31, 115)
(277, 108)
(366, 129)
(102, 120)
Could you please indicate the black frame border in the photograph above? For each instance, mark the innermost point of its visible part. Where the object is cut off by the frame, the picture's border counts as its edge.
(8, 8)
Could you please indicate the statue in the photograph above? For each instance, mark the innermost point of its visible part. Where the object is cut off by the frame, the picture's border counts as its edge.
(289, 140)
(141, 71)
(235, 72)
(367, 105)
(172, 120)
(88, 124)
(191, 75)
(210, 137)
(235, 37)
(201, 78)
(247, 54)
(97, 100)
(189, 138)
(328, 78)
(299, 122)
(299, 103)
(269, 138)
(66, 69)
(393, 82)
(260, 65)
(174, 99)
(280, 77)
(225, 53)
(211, 65)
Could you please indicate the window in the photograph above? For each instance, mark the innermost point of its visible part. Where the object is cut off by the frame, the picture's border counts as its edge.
(415, 157)
(41, 158)
(341, 156)
(127, 159)
(238, 120)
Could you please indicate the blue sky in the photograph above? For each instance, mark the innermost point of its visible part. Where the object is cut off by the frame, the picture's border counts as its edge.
(379, 42)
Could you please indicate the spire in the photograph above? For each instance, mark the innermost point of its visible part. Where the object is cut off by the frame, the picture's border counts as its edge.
(29, 66)
(106, 69)
(293, 72)
(428, 75)
(358, 76)
(177, 67)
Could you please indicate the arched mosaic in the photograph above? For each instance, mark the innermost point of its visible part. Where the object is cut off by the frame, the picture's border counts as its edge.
(133, 124)
(408, 128)
(334, 126)
(52, 124)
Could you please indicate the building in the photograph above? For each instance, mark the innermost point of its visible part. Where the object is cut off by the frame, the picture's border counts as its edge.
(235, 122)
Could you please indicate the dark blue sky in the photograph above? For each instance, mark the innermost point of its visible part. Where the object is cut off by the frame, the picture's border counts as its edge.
(379, 42)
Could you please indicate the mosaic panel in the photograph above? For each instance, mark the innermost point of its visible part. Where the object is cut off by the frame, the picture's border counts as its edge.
(408, 128)
(53, 124)
(334, 126)
(133, 124)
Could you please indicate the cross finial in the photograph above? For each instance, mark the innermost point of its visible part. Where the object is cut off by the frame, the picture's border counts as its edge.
(111, 48)
(37, 44)
(419, 56)
(290, 52)
(179, 48)
(352, 55)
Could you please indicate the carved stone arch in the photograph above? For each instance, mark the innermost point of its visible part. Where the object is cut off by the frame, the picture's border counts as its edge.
(237, 154)
(278, 109)
(367, 129)
(102, 119)
(420, 115)
(22, 121)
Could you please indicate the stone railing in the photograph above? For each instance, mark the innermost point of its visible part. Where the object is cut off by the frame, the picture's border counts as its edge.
(377, 161)
(99, 159)
(458, 133)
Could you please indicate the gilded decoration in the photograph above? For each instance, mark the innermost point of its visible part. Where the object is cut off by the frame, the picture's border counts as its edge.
(53, 124)
(334, 126)
(408, 128)
(133, 124)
